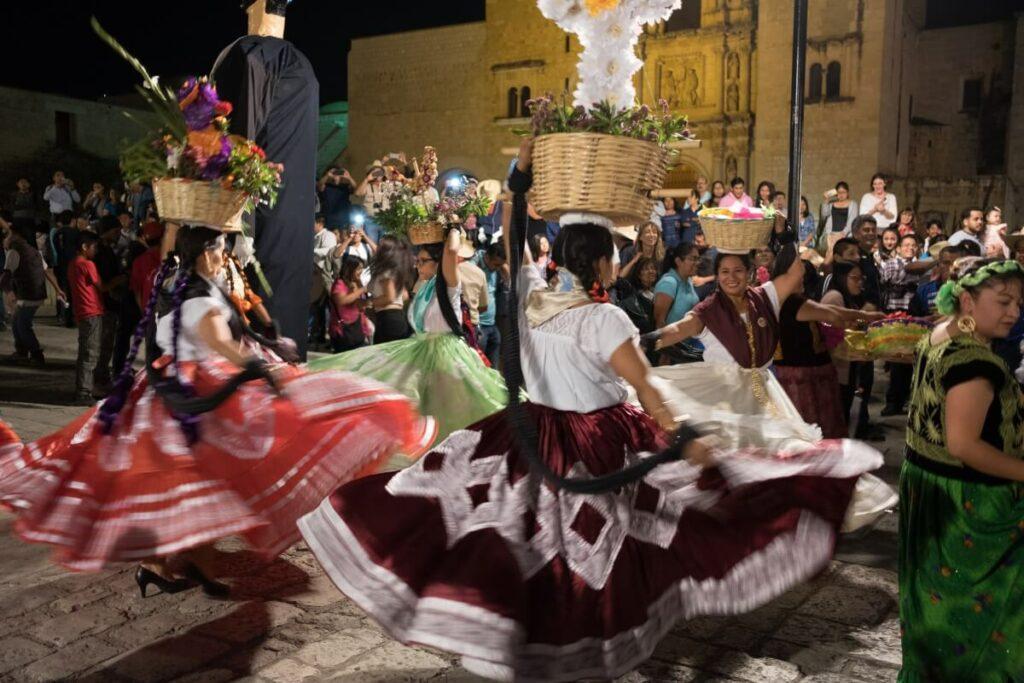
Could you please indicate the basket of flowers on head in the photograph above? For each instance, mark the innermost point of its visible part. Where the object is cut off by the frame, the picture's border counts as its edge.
(603, 160)
(739, 230)
(417, 212)
(201, 175)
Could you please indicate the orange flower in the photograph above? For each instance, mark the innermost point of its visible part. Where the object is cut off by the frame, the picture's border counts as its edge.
(207, 141)
(596, 7)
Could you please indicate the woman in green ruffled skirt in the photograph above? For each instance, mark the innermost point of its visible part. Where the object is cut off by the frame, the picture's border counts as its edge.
(435, 367)
(961, 555)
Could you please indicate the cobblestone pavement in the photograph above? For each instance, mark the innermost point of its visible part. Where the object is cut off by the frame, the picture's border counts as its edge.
(286, 621)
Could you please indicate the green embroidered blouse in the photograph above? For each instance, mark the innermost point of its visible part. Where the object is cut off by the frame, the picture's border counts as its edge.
(940, 367)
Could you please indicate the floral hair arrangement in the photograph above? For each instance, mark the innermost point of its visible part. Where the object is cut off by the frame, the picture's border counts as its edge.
(419, 202)
(661, 127)
(192, 141)
(946, 299)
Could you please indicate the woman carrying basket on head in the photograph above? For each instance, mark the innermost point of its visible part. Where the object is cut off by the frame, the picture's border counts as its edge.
(215, 423)
(739, 328)
(480, 556)
(435, 367)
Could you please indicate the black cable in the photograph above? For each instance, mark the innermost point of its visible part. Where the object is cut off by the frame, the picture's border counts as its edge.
(523, 428)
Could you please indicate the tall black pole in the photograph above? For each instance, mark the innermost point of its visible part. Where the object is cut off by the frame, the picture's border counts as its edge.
(796, 121)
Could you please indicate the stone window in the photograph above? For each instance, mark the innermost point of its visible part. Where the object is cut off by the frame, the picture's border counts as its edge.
(686, 18)
(814, 81)
(64, 128)
(513, 103)
(972, 94)
(524, 97)
(832, 81)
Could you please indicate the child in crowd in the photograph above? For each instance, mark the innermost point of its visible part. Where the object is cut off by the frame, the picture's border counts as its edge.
(87, 304)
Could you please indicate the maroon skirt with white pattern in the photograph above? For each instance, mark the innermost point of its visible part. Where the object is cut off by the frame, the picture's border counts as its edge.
(467, 552)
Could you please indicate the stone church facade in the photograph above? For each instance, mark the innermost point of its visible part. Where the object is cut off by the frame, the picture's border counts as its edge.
(931, 108)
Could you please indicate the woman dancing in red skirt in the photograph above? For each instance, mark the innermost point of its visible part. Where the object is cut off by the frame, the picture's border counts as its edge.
(530, 581)
(217, 437)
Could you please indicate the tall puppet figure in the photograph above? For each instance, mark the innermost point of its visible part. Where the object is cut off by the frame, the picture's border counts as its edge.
(276, 97)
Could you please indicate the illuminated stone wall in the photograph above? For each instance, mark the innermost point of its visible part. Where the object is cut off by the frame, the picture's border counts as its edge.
(880, 78)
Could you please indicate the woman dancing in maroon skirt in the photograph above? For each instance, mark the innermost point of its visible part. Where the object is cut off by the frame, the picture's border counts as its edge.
(470, 551)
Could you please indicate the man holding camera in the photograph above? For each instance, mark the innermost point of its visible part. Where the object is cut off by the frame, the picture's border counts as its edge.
(61, 196)
(336, 187)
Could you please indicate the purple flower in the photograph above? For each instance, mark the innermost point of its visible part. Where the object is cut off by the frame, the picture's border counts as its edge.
(198, 101)
(216, 164)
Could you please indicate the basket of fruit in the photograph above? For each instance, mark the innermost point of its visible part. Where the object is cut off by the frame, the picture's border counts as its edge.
(895, 338)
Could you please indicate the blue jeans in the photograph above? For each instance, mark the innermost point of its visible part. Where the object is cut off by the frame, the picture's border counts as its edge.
(489, 338)
(25, 341)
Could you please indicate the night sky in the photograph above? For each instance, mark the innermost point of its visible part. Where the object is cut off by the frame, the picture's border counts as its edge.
(47, 45)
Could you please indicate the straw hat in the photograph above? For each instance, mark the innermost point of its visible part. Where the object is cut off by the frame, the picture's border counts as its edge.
(628, 231)
(936, 249)
(489, 188)
(1013, 240)
(808, 254)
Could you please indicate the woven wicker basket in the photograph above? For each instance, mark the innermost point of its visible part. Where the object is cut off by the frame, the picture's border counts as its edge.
(737, 236)
(197, 202)
(608, 175)
(426, 233)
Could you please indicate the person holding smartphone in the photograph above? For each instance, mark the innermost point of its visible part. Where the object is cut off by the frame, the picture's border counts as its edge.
(335, 188)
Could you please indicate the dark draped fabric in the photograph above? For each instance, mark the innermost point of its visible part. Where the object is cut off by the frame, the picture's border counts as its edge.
(720, 316)
(276, 103)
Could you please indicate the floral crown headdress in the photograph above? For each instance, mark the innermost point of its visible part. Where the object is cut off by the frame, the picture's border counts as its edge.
(945, 300)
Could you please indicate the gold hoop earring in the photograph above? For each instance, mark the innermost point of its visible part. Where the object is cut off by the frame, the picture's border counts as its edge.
(966, 324)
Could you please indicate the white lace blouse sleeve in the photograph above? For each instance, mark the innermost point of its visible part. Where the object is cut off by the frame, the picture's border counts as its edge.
(607, 329)
(194, 310)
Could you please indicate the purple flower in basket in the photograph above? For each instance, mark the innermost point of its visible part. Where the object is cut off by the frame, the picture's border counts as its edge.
(198, 101)
(215, 165)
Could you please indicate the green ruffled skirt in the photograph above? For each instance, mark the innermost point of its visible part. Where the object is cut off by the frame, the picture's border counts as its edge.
(440, 372)
(961, 576)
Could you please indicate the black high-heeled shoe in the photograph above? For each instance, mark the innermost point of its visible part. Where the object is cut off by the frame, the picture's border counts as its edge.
(213, 589)
(144, 577)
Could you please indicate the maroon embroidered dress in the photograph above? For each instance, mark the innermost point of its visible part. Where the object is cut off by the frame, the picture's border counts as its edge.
(467, 552)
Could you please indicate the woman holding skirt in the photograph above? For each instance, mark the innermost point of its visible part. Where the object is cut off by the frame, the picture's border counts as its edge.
(526, 580)
(733, 394)
(215, 438)
(435, 367)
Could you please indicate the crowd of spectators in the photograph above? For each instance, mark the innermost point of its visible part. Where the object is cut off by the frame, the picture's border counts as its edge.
(93, 256)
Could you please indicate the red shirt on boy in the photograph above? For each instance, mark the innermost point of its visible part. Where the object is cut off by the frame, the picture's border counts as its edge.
(84, 281)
